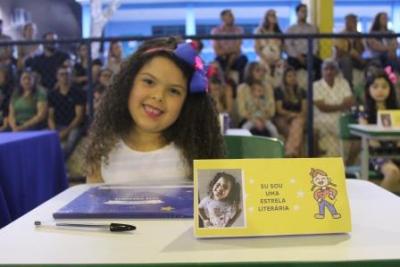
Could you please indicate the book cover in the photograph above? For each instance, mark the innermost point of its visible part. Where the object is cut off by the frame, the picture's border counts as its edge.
(255, 197)
(389, 118)
(128, 201)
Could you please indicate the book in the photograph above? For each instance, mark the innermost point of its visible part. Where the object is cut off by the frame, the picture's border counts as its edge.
(269, 197)
(129, 201)
(388, 118)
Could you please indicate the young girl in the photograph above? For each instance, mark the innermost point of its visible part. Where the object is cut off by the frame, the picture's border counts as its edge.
(155, 118)
(380, 95)
(221, 207)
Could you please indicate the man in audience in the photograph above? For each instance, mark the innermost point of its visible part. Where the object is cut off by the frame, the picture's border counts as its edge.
(348, 51)
(297, 48)
(228, 52)
(47, 63)
(66, 111)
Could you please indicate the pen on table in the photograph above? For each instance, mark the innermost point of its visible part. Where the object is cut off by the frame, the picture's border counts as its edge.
(113, 227)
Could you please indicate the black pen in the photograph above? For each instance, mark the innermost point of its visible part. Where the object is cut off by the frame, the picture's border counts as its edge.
(113, 227)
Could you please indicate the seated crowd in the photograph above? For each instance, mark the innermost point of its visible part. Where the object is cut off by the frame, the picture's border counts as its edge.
(267, 96)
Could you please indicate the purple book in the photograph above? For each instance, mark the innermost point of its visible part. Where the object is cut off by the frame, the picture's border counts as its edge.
(128, 201)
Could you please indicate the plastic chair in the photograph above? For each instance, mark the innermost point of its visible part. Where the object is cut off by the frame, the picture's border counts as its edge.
(240, 147)
(345, 135)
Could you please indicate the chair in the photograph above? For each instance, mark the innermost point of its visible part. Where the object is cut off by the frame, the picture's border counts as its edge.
(240, 147)
(345, 135)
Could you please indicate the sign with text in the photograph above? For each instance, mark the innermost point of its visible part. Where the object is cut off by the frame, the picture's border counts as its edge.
(252, 197)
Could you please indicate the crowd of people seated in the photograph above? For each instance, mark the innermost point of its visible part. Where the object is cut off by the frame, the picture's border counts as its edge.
(45, 87)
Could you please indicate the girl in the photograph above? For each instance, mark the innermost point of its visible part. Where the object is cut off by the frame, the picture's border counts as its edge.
(114, 59)
(155, 119)
(380, 95)
(290, 112)
(221, 207)
(28, 105)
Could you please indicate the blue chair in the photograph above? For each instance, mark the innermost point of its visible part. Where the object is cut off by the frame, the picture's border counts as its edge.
(240, 147)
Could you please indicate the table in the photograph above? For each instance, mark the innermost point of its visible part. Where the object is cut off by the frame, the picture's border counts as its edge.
(238, 131)
(371, 132)
(31, 171)
(374, 241)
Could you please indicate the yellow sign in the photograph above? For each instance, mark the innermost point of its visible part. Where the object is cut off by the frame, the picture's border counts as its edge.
(389, 118)
(252, 197)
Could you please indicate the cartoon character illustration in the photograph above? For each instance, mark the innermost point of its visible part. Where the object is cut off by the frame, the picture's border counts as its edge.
(324, 193)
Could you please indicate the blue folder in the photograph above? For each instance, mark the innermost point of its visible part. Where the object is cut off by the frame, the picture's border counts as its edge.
(127, 201)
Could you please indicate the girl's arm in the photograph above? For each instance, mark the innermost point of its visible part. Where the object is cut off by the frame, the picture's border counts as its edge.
(228, 94)
(11, 118)
(5, 124)
(203, 216)
(39, 116)
(280, 110)
(233, 219)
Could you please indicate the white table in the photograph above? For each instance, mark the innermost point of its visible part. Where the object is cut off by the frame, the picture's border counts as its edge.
(238, 131)
(375, 238)
(371, 132)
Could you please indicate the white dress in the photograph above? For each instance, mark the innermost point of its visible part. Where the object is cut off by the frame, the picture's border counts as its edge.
(163, 166)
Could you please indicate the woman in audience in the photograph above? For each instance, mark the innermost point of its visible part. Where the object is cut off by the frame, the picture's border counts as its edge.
(101, 86)
(383, 48)
(27, 51)
(114, 56)
(80, 70)
(332, 96)
(290, 112)
(254, 76)
(220, 91)
(270, 50)
(28, 105)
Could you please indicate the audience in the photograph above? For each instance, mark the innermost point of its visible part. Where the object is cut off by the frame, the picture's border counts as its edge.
(297, 48)
(228, 52)
(6, 56)
(291, 112)
(383, 49)
(6, 88)
(27, 51)
(66, 111)
(80, 69)
(348, 51)
(28, 105)
(114, 58)
(332, 96)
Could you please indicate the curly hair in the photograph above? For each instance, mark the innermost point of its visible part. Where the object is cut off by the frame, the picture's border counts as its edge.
(196, 131)
(234, 194)
(370, 104)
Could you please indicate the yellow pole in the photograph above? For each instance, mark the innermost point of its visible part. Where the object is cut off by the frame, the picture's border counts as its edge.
(323, 15)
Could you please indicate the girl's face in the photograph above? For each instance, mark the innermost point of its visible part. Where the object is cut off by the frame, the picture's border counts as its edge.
(116, 49)
(257, 90)
(26, 81)
(383, 20)
(157, 95)
(379, 90)
(271, 16)
(221, 189)
(258, 72)
(291, 78)
(320, 180)
(105, 77)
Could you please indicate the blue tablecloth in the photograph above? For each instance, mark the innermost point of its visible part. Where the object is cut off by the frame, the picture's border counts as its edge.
(32, 171)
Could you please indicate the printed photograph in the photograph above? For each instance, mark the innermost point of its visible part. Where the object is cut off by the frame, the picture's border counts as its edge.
(221, 198)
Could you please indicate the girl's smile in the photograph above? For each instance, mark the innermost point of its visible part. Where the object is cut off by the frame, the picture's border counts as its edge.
(221, 189)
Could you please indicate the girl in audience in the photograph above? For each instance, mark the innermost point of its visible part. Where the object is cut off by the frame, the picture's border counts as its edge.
(290, 112)
(220, 91)
(80, 70)
(28, 105)
(270, 50)
(380, 95)
(254, 74)
(155, 119)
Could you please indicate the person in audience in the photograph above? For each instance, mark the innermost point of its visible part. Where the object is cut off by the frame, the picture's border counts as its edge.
(220, 91)
(297, 48)
(221, 207)
(80, 70)
(383, 49)
(380, 95)
(255, 73)
(114, 58)
(48, 62)
(156, 113)
(66, 111)
(358, 90)
(101, 86)
(27, 51)
(270, 50)
(291, 108)
(228, 52)
(348, 51)
(332, 96)
(6, 87)
(28, 105)
(6, 57)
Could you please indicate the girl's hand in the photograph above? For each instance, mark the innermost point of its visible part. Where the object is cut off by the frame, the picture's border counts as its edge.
(207, 223)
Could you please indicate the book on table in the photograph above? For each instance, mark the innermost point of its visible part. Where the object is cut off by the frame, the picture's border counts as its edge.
(130, 201)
